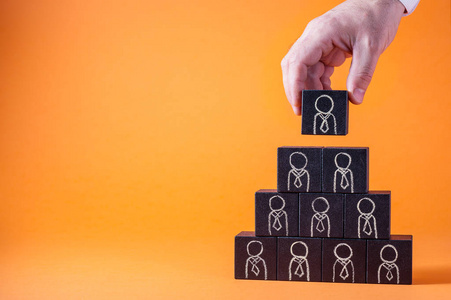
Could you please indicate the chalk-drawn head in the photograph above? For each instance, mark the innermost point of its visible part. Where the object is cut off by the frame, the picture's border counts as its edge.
(299, 249)
(298, 160)
(343, 160)
(254, 248)
(343, 251)
(366, 206)
(320, 205)
(276, 203)
(389, 254)
(324, 104)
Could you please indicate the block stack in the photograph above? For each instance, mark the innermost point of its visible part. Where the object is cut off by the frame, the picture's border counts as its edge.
(322, 223)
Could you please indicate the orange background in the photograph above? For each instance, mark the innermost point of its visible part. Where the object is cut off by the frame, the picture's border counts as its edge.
(135, 133)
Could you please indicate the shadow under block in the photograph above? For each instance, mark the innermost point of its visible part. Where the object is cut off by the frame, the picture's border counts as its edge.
(299, 169)
(276, 214)
(299, 259)
(255, 257)
(390, 261)
(367, 216)
(345, 170)
(325, 112)
(321, 215)
(344, 260)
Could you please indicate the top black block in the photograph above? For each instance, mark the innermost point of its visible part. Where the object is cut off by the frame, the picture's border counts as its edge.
(325, 112)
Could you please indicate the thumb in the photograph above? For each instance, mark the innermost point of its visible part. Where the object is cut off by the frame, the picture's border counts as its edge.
(363, 64)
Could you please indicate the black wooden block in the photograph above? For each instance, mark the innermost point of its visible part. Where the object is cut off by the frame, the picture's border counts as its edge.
(299, 259)
(390, 261)
(321, 215)
(276, 214)
(255, 257)
(367, 216)
(345, 170)
(325, 112)
(299, 169)
(344, 260)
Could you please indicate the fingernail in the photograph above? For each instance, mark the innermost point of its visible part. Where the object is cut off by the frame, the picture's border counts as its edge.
(358, 95)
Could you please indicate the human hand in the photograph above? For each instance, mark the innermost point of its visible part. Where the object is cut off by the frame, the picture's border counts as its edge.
(362, 29)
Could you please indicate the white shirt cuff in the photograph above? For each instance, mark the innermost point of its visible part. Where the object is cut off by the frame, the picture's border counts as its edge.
(410, 5)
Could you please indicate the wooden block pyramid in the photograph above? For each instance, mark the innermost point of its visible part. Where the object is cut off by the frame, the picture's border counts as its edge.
(322, 223)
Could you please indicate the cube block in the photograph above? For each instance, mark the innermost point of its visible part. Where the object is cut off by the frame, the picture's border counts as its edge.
(299, 259)
(255, 257)
(390, 261)
(367, 216)
(276, 214)
(321, 215)
(345, 170)
(344, 260)
(325, 112)
(299, 169)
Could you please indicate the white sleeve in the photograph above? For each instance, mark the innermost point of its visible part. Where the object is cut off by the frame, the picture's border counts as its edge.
(410, 5)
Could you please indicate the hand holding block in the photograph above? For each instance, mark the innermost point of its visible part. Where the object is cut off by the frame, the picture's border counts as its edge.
(390, 261)
(344, 260)
(276, 214)
(255, 257)
(325, 112)
(367, 216)
(345, 170)
(321, 215)
(299, 259)
(299, 169)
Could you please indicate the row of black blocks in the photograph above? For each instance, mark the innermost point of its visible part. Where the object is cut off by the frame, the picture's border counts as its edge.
(329, 260)
(322, 224)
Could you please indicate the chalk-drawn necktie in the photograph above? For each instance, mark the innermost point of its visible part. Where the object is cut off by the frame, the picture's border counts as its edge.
(299, 269)
(320, 225)
(254, 261)
(344, 271)
(367, 225)
(324, 127)
(277, 225)
(298, 173)
(344, 182)
(389, 268)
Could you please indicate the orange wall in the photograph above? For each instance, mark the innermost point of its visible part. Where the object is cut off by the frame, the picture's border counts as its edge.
(135, 133)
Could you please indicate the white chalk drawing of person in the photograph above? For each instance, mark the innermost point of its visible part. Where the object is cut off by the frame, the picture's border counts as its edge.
(367, 222)
(255, 264)
(388, 270)
(277, 218)
(343, 266)
(343, 176)
(298, 174)
(320, 220)
(324, 119)
(299, 265)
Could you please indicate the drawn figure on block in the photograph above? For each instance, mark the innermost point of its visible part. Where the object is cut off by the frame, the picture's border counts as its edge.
(298, 175)
(277, 218)
(343, 177)
(367, 222)
(255, 265)
(324, 120)
(388, 271)
(320, 220)
(343, 267)
(299, 267)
